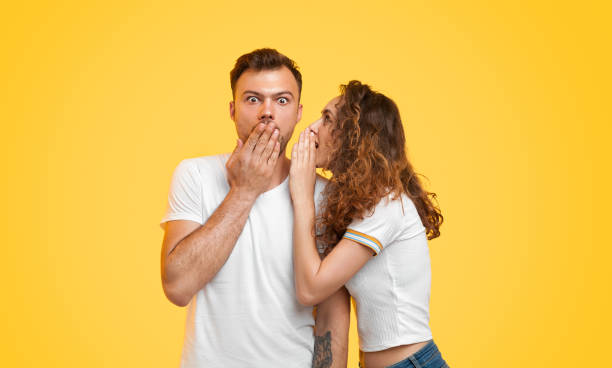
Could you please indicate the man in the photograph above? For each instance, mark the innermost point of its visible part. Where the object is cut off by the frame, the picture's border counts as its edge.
(227, 249)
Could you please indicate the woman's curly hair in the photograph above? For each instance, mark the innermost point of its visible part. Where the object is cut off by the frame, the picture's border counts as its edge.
(369, 162)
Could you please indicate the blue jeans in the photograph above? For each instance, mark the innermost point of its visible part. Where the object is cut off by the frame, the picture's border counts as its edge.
(428, 357)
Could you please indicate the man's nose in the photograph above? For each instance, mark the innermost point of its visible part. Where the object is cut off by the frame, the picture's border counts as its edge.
(266, 111)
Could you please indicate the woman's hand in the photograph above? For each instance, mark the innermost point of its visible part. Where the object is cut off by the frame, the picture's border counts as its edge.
(302, 174)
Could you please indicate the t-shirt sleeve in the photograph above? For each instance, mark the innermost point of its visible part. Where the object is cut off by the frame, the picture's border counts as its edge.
(380, 228)
(185, 195)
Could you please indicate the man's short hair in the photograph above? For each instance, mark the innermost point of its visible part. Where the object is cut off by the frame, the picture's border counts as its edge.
(264, 59)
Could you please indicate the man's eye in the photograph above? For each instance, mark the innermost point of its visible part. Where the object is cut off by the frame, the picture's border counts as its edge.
(252, 99)
(283, 100)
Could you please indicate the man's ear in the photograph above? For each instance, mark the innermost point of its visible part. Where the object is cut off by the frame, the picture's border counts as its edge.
(232, 110)
(299, 114)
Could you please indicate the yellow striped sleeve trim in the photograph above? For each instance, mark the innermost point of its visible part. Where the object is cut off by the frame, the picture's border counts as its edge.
(363, 239)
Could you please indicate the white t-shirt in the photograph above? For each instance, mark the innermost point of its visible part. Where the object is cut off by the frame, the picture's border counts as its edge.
(248, 314)
(391, 291)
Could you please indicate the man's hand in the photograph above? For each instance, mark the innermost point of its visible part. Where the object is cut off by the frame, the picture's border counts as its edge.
(250, 167)
(302, 175)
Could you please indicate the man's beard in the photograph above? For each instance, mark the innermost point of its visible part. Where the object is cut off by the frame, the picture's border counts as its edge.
(283, 145)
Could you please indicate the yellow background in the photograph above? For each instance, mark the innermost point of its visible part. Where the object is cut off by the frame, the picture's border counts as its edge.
(506, 110)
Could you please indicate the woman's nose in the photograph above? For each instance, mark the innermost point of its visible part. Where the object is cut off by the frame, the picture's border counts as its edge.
(314, 127)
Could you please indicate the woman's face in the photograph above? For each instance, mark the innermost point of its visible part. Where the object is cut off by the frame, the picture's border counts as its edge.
(322, 130)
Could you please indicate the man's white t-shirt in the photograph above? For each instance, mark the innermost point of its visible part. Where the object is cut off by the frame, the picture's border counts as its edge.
(248, 314)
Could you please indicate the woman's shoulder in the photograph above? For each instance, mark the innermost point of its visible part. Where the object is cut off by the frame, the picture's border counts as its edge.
(396, 205)
(401, 213)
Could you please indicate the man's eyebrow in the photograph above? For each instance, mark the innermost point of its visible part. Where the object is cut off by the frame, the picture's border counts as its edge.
(284, 93)
(249, 92)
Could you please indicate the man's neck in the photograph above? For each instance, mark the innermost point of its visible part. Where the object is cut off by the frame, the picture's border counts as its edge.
(281, 170)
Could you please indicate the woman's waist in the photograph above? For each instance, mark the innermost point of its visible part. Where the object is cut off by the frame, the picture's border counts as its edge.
(388, 357)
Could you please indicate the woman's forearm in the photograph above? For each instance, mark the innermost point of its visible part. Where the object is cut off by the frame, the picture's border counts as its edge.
(306, 261)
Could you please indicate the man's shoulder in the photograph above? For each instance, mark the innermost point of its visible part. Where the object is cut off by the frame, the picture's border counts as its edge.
(206, 164)
(320, 183)
(208, 171)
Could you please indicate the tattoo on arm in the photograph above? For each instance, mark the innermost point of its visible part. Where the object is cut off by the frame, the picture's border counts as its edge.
(322, 357)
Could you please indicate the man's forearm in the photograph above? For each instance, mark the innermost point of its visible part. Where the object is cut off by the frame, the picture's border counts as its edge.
(197, 258)
(331, 331)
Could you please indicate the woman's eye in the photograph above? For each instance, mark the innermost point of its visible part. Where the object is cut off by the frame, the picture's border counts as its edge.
(283, 100)
(252, 99)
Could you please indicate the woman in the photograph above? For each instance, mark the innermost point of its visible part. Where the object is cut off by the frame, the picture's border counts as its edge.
(376, 206)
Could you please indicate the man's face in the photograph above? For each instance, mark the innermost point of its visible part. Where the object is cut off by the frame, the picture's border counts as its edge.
(266, 96)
